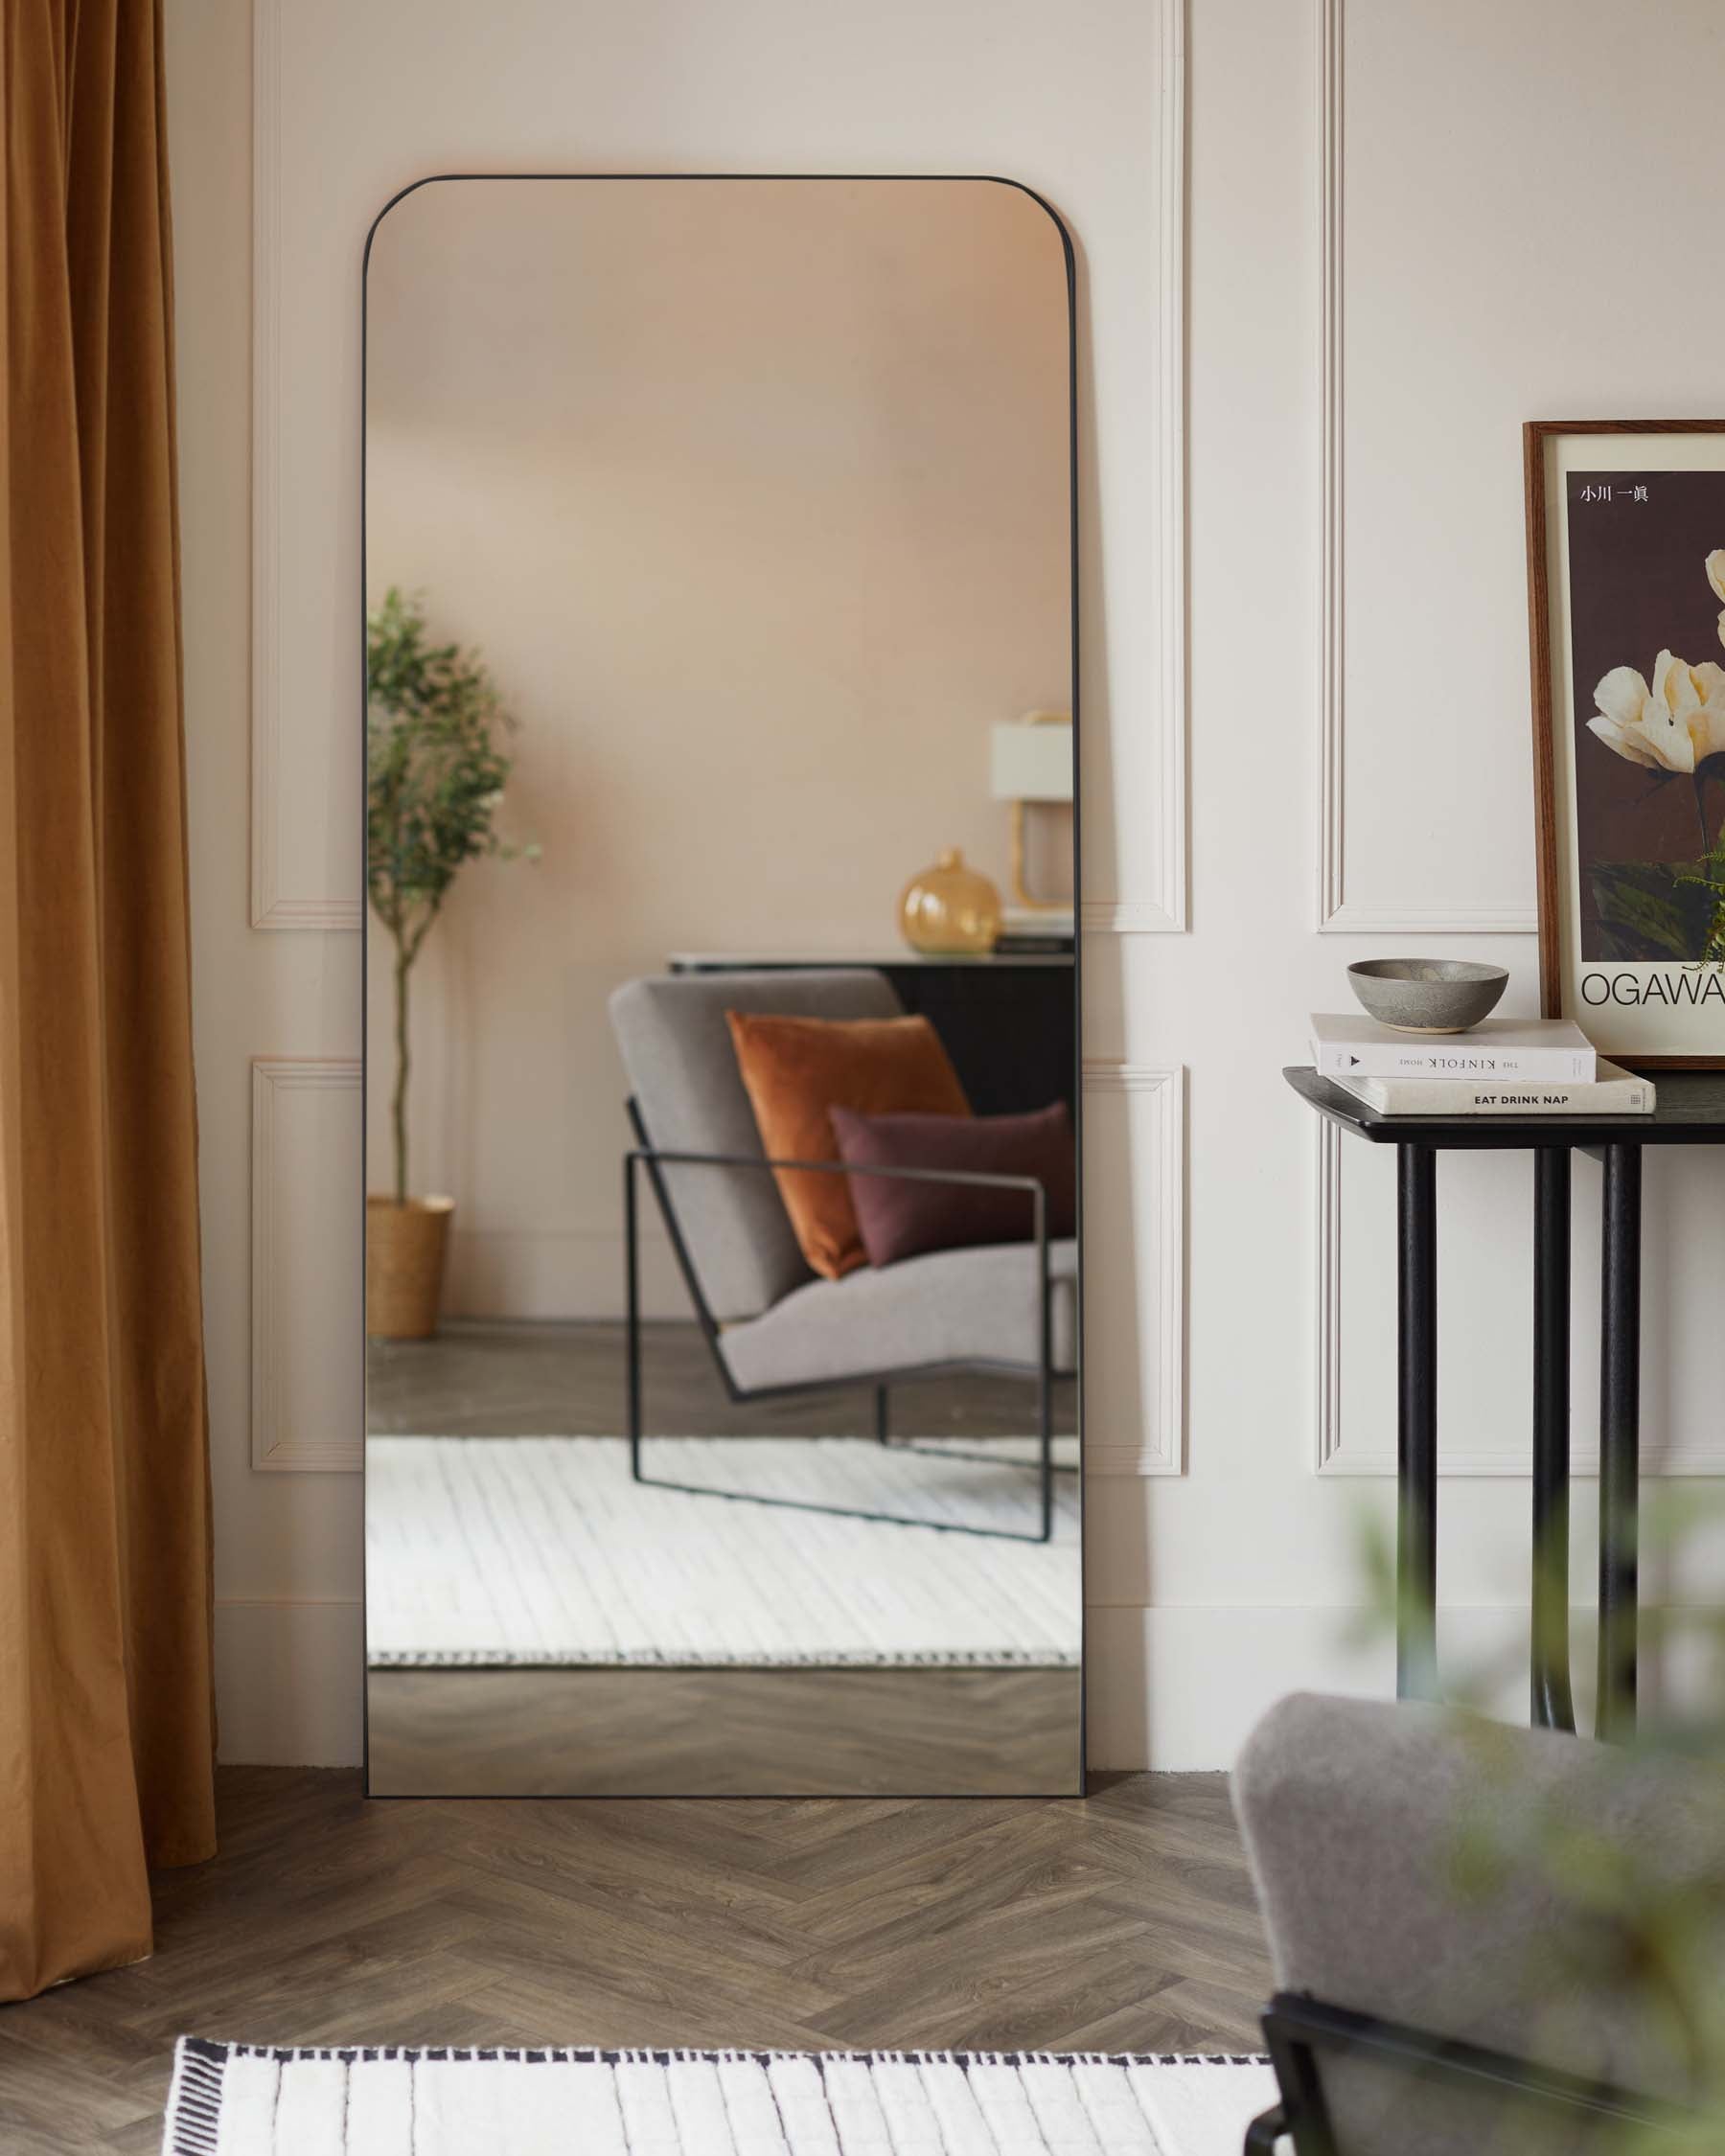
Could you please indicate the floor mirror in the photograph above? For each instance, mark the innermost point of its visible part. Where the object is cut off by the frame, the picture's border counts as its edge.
(722, 1272)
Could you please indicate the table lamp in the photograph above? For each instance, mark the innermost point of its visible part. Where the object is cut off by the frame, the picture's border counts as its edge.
(1030, 759)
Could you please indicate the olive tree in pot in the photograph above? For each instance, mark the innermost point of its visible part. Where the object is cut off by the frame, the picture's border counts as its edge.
(435, 771)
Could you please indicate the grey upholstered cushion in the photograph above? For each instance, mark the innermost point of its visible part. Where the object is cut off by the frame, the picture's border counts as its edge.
(682, 1071)
(1358, 1820)
(949, 1306)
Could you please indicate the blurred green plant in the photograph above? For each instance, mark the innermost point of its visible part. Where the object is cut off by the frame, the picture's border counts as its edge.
(435, 773)
(1638, 1945)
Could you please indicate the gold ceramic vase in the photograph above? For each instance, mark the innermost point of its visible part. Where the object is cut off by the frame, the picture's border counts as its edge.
(950, 910)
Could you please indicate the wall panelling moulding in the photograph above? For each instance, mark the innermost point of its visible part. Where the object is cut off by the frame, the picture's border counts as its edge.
(289, 868)
(1337, 915)
(284, 893)
(306, 1290)
(1333, 1453)
(1135, 1299)
(1168, 912)
(1336, 1453)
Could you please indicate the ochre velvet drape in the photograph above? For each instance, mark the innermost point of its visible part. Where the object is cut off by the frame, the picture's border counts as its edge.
(107, 1728)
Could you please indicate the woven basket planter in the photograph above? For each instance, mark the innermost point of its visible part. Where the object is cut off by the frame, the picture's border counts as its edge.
(405, 1246)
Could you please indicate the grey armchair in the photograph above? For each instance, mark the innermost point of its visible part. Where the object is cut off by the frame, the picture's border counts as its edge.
(772, 1326)
(1413, 2018)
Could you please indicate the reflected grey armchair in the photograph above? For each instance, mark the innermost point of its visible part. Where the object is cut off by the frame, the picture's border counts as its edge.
(772, 1326)
(1414, 2017)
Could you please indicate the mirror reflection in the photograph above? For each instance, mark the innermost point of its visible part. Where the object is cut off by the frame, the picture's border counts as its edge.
(722, 1262)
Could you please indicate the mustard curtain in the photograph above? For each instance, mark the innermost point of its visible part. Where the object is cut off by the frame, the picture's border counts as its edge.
(106, 1728)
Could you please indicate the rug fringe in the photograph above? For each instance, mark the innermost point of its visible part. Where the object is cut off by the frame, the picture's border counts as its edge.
(196, 2049)
(195, 2098)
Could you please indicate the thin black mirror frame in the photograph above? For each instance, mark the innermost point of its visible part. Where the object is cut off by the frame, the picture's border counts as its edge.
(1069, 256)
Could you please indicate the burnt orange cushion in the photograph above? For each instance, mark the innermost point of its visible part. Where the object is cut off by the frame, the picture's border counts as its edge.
(795, 1071)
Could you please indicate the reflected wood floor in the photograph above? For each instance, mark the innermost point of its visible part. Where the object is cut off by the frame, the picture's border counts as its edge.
(539, 1379)
(722, 1733)
(1123, 1922)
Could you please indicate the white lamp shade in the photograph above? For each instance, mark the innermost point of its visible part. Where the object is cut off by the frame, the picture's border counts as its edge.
(1028, 762)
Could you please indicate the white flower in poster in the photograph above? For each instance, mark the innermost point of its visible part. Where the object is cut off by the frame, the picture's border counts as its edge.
(1710, 684)
(1679, 721)
(1669, 726)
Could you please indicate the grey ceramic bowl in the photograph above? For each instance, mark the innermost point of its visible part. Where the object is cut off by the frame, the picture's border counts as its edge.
(1427, 995)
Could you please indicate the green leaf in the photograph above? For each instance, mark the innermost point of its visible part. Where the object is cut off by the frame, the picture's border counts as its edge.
(1656, 911)
(435, 767)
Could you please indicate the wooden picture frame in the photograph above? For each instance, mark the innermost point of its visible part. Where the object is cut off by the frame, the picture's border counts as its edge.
(1629, 743)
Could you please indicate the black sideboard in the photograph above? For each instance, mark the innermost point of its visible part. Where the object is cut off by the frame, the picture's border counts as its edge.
(1009, 1021)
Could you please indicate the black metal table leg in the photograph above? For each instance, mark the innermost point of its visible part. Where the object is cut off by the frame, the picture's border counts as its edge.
(1416, 1424)
(1045, 1371)
(1549, 1664)
(1619, 1438)
(632, 1273)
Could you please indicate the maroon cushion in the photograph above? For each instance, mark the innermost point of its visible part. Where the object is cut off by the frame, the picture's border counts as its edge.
(900, 1216)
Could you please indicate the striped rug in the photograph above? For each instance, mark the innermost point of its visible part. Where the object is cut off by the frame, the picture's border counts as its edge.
(235, 2100)
(505, 1551)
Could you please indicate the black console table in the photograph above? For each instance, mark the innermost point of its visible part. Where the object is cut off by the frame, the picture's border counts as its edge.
(1691, 1112)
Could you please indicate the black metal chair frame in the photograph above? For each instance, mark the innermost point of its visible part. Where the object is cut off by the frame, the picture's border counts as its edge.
(1041, 1372)
(1297, 2030)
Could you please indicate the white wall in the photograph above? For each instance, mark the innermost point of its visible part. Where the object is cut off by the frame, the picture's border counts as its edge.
(1519, 225)
(1505, 185)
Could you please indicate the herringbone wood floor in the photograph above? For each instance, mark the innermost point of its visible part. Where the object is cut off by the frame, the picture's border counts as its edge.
(1122, 1923)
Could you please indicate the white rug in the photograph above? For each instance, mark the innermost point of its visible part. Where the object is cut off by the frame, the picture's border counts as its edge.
(236, 2100)
(500, 1551)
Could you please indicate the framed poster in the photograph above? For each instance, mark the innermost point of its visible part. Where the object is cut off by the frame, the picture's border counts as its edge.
(1626, 617)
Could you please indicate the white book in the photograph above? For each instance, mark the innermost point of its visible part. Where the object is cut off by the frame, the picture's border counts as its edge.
(1615, 1091)
(1356, 1046)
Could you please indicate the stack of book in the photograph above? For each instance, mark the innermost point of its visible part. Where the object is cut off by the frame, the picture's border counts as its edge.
(1035, 931)
(1501, 1067)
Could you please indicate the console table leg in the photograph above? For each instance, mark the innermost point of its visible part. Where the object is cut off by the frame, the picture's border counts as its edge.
(1550, 1680)
(1619, 1439)
(1416, 1424)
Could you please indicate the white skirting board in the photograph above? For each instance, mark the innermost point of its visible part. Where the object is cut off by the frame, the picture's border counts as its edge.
(1179, 1689)
(287, 1683)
